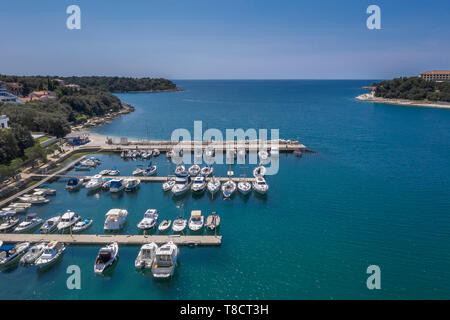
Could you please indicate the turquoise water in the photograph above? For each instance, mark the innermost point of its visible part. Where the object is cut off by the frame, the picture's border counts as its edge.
(376, 193)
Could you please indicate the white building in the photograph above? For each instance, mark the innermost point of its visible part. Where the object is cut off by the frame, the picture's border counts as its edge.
(4, 122)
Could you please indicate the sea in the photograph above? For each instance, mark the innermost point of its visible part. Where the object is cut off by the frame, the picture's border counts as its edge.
(375, 192)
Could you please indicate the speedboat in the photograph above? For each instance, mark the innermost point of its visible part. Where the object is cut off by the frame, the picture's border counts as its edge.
(46, 191)
(8, 223)
(168, 185)
(106, 257)
(9, 254)
(146, 256)
(34, 199)
(138, 172)
(33, 254)
(150, 170)
(196, 221)
(199, 184)
(165, 261)
(95, 183)
(52, 252)
(105, 172)
(106, 184)
(20, 206)
(131, 184)
(213, 185)
(259, 171)
(116, 185)
(114, 172)
(169, 154)
(213, 221)
(180, 170)
(210, 151)
(50, 225)
(164, 225)
(68, 219)
(228, 188)
(244, 187)
(74, 184)
(156, 152)
(9, 211)
(260, 185)
(115, 219)
(194, 170)
(263, 155)
(182, 185)
(32, 221)
(150, 219)
(207, 171)
(82, 225)
(82, 168)
(179, 224)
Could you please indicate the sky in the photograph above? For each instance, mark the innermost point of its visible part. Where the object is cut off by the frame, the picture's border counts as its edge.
(233, 39)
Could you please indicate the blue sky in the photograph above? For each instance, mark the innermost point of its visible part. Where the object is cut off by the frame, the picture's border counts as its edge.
(233, 39)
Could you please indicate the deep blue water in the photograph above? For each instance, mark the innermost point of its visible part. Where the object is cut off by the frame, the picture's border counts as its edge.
(377, 192)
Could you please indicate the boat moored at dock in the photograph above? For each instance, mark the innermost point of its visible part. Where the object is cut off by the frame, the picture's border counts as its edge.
(10, 254)
(68, 219)
(52, 252)
(51, 225)
(116, 185)
(115, 219)
(106, 257)
(146, 256)
(31, 222)
(150, 219)
(165, 262)
(74, 184)
(196, 221)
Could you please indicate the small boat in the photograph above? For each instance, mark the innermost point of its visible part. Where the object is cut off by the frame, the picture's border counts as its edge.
(106, 184)
(244, 187)
(228, 188)
(180, 170)
(207, 171)
(196, 221)
(10, 254)
(74, 184)
(179, 224)
(168, 185)
(114, 172)
(131, 184)
(33, 254)
(116, 185)
(115, 219)
(156, 152)
(150, 219)
(150, 170)
(106, 257)
(182, 185)
(274, 152)
(263, 155)
(31, 222)
(241, 153)
(46, 191)
(298, 153)
(50, 225)
(260, 185)
(259, 171)
(165, 261)
(52, 252)
(230, 154)
(194, 170)
(95, 183)
(104, 172)
(213, 185)
(68, 219)
(138, 172)
(34, 199)
(199, 184)
(20, 206)
(213, 221)
(8, 223)
(146, 256)
(164, 225)
(210, 151)
(82, 168)
(82, 225)
(169, 154)
(9, 211)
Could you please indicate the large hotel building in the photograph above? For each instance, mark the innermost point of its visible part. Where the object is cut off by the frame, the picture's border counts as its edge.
(436, 75)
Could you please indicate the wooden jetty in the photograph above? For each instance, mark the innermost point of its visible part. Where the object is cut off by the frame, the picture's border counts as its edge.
(121, 239)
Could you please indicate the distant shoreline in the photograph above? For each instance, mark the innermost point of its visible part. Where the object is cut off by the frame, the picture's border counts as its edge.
(150, 91)
(403, 102)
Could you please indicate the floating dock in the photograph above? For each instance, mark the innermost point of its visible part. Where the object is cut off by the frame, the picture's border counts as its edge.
(121, 239)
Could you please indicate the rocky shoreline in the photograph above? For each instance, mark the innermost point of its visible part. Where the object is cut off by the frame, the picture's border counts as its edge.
(368, 97)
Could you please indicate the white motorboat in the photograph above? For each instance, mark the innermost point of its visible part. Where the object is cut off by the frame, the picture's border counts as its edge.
(182, 185)
(230, 155)
(82, 168)
(106, 184)
(259, 171)
(260, 185)
(104, 172)
(180, 170)
(179, 224)
(138, 172)
(213, 185)
(46, 191)
(131, 184)
(168, 185)
(106, 257)
(210, 151)
(8, 223)
(199, 184)
(116, 185)
(33, 254)
(82, 225)
(156, 152)
(52, 252)
(150, 219)
(194, 170)
(114, 172)
(68, 219)
(150, 170)
(274, 152)
(169, 154)
(207, 171)
(241, 153)
(196, 221)
(213, 221)
(74, 184)
(165, 261)
(9, 211)
(50, 225)
(31, 222)
(228, 188)
(34, 199)
(244, 187)
(20, 207)
(95, 183)
(164, 225)
(263, 155)
(198, 153)
(10, 254)
(146, 256)
(115, 219)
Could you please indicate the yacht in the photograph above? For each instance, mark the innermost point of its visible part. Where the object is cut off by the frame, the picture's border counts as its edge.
(20, 207)
(95, 183)
(33, 254)
(131, 184)
(199, 184)
(260, 185)
(182, 185)
(228, 188)
(116, 185)
(196, 221)
(74, 184)
(180, 170)
(146, 256)
(68, 219)
(52, 252)
(50, 225)
(164, 225)
(150, 219)
(165, 261)
(213, 221)
(194, 170)
(106, 257)
(179, 224)
(244, 187)
(9, 254)
(9, 211)
(46, 191)
(32, 221)
(150, 170)
(114, 172)
(168, 185)
(8, 223)
(207, 171)
(82, 225)
(115, 219)
(213, 185)
(34, 199)
(259, 171)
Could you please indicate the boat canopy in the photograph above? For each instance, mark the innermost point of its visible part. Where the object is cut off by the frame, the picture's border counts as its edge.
(7, 248)
(196, 213)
